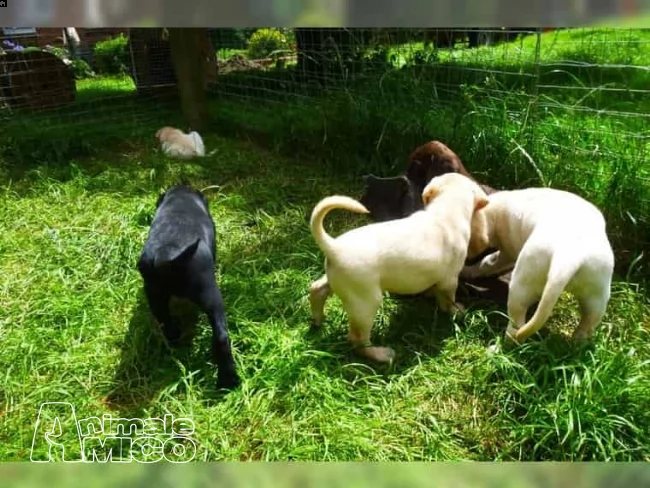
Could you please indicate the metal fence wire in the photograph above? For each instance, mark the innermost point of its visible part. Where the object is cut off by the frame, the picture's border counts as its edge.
(561, 107)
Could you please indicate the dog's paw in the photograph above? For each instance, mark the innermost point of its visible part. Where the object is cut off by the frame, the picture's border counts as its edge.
(494, 349)
(582, 341)
(459, 311)
(510, 338)
(384, 355)
(172, 332)
(316, 323)
(228, 381)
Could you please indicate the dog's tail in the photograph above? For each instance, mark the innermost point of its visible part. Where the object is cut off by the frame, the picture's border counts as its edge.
(322, 208)
(562, 268)
(199, 147)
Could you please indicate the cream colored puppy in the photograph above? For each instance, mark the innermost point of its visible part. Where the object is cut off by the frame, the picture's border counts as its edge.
(425, 251)
(177, 144)
(556, 240)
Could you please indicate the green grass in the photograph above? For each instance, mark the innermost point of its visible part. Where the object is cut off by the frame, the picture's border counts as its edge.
(82, 181)
(317, 475)
(75, 328)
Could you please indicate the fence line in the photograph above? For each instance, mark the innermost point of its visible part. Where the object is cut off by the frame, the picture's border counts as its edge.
(576, 100)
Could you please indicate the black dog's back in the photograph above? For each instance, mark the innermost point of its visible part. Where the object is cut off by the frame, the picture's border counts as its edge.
(391, 198)
(179, 259)
(181, 222)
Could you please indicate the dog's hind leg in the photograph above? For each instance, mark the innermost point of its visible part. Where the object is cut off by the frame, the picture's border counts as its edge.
(211, 301)
(445, 293)
(361, 313)
(319, 292)
(592, 288)
(525, 289)
(158, 300)
(592, 310)
(520, 299)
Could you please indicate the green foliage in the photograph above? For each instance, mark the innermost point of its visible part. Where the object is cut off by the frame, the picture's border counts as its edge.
(111, 57)
(266, 42)
(80, 68)
(231, 38)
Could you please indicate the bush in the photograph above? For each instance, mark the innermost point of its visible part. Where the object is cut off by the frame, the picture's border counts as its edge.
(265, 42)
(80, 68)
(231, 38)
(111, 57)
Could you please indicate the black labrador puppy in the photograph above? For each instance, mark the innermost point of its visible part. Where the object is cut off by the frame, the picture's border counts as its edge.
(391, 198)
(179, 259)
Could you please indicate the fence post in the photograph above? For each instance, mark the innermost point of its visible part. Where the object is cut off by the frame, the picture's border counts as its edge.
(186, 46)
(534, 105)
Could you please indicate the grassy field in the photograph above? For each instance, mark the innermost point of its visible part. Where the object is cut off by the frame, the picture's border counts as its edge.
(80, 194)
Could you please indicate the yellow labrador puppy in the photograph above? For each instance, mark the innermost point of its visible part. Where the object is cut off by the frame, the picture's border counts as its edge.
(425, 251)
(556, 240)
(177, 144)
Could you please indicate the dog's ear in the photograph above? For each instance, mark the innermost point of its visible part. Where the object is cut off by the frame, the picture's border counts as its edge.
(480, 201)
(479, 239)
(417, 173)
(429, 193)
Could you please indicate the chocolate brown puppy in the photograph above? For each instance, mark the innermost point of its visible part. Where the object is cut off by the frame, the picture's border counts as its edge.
(435, 159)
(398, 197)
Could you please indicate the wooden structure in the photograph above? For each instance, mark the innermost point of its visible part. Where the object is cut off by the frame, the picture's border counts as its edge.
(35, 80)
(151, 63)
(151, 57)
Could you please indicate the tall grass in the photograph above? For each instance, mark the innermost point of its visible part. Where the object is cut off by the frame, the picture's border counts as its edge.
(76, 328)
(577, 119)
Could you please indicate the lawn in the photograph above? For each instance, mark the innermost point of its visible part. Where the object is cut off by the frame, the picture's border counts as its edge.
(76, 329)
(81, 185)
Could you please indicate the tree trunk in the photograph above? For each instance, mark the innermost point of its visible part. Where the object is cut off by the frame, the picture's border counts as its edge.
(187, 48)
(309, 47)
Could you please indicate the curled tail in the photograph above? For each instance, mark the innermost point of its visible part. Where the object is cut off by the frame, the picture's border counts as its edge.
(560, 272)
(322, 208)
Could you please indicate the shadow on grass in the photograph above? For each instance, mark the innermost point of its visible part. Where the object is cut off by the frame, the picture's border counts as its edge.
(420, 326)
(148, 365)
(415, 329)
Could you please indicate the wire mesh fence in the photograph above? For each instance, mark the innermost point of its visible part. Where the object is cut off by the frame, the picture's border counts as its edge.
(567, 108)
(62, 93)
